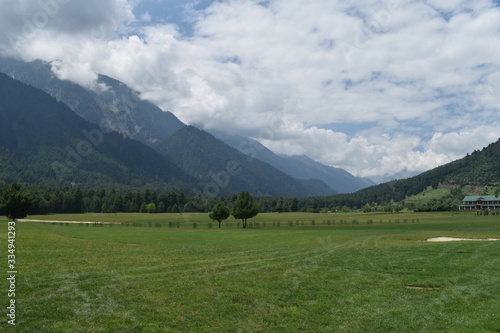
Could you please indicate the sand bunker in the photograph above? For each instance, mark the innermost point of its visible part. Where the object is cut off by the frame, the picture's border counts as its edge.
(451, 239)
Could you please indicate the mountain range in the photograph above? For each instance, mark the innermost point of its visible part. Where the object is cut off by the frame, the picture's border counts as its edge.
(115, 107)
(110, 104)
(222, 167)
(44, 142)
(299, 166)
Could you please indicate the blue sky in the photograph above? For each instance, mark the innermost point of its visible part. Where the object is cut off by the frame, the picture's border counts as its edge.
(173, 11)
(374, 87)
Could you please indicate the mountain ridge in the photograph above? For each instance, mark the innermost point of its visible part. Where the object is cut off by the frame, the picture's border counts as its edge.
(209, 158)
(42, 141)
(300, 167)
(481, 167)
(115, 107)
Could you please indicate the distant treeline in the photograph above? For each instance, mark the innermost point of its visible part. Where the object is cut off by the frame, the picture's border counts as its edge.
(48, 200)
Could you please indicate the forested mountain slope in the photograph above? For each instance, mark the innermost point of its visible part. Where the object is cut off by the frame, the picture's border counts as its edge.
(482, 167)
(110, 103)
(42, 141)
(203, 156)
(114, 106)
(300, 167)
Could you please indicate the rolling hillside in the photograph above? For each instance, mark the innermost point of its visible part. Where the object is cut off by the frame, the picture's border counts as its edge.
(480, 168)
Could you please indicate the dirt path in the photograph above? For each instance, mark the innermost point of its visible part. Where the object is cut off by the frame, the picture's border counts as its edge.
(85, 222)
(451, 239)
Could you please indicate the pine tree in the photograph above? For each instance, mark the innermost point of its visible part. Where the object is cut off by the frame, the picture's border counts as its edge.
(15, 203)
(244, 208)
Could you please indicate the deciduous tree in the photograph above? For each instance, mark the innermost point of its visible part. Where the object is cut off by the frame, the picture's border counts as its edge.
(151, 208)
(219, 213)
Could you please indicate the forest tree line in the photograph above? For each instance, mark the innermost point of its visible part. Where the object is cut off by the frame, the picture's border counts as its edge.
(68, 200)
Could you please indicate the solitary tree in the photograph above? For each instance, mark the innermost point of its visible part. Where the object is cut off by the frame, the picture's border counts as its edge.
(219, 213)
(244, 208)
(14, 203)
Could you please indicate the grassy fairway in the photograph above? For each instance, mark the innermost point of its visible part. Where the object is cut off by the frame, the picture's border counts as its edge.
(355, 273)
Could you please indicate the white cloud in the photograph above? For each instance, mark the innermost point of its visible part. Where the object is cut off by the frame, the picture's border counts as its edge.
(423, 76)
(464, 141)
(23, 21)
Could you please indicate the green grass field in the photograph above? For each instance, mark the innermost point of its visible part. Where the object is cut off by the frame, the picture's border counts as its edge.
(346, 273)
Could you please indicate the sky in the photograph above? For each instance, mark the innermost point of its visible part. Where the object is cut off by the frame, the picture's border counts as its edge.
(373, 87)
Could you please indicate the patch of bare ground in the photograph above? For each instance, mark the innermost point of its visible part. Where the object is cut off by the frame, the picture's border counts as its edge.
(422, 288)
(453, 239)
(57, 221)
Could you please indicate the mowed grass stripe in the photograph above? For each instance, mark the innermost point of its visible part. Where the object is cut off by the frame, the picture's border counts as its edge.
(232, 257)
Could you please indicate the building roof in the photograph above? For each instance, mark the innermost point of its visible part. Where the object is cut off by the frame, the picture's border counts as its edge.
(482, 197)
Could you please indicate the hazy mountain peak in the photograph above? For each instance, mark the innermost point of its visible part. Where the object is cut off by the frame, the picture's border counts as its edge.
(112, 105)
(300, 166)
(43, 141)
